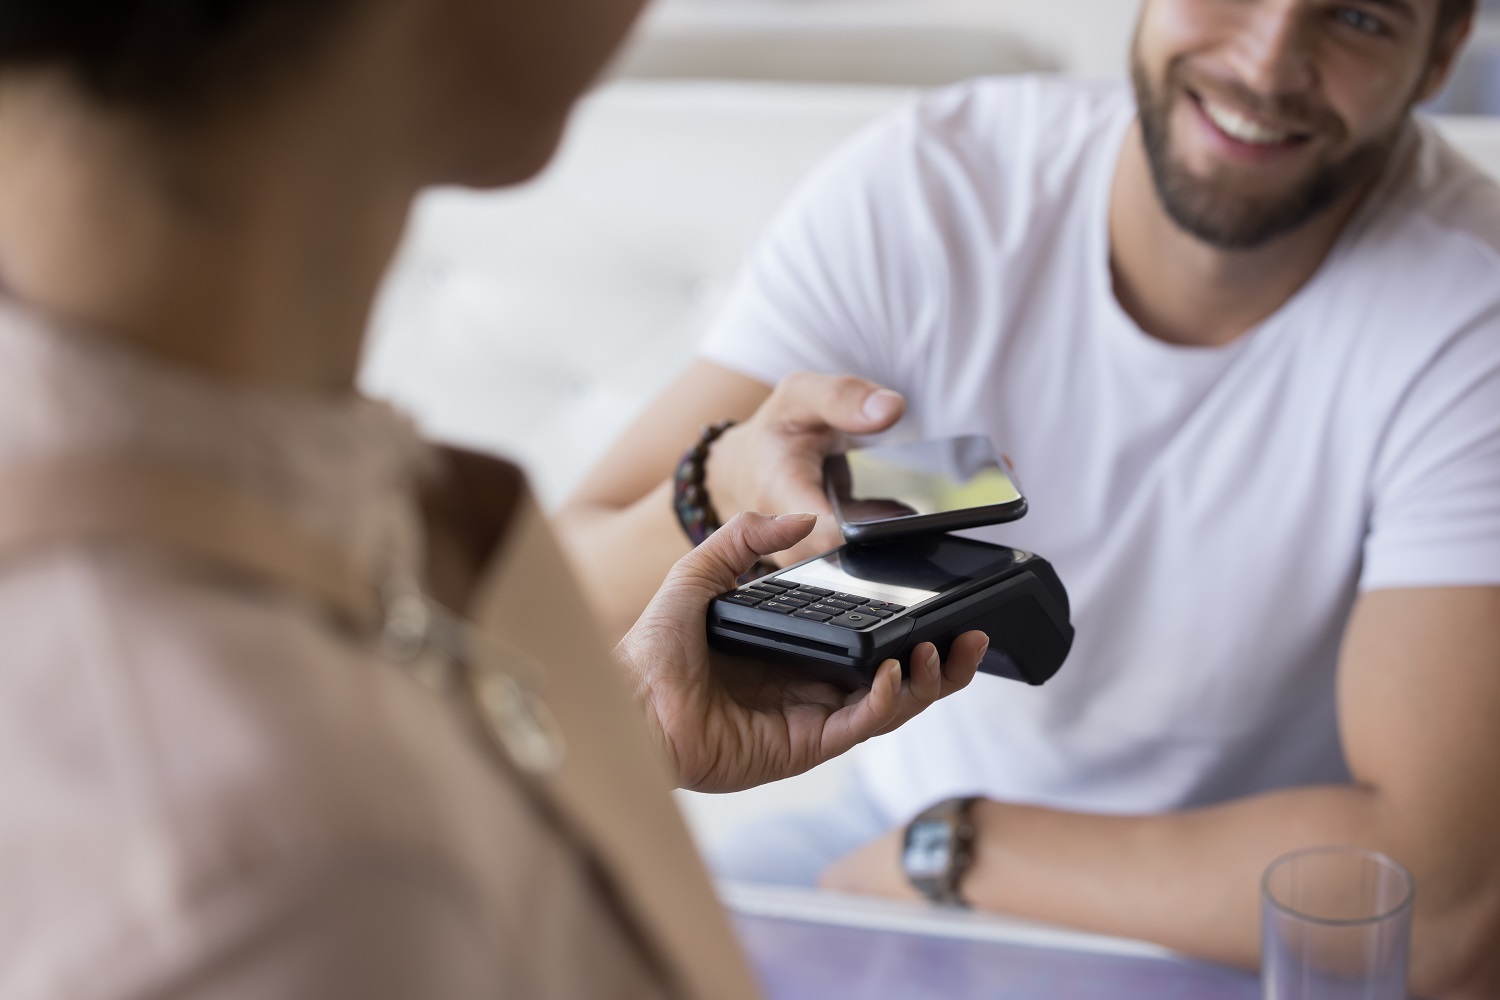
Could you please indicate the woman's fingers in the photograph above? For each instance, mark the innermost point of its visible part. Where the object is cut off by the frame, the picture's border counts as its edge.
(933, 680)
(926, 681)
(891, 703)
(963, 662)
(874, 713)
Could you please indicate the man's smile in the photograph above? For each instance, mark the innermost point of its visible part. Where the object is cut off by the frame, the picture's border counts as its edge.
(1244, 129)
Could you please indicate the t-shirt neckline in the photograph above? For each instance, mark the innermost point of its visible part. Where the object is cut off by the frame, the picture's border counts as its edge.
(1122, 329)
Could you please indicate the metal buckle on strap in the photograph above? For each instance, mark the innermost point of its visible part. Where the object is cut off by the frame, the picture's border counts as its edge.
(502, 682)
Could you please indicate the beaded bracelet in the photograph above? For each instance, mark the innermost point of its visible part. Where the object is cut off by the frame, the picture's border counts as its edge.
(695, 512)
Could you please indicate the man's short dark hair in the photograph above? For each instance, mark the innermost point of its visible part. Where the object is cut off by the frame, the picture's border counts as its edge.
(161, 55)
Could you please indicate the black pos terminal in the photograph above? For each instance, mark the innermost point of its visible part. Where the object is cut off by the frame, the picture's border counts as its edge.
(840, 615)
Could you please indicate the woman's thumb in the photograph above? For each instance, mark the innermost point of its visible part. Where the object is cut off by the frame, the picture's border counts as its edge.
(734, 548)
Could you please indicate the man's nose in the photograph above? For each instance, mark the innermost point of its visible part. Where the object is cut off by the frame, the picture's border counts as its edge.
(1272, 52)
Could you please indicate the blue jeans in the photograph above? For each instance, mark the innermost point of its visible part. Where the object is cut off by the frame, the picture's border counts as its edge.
(794, 847)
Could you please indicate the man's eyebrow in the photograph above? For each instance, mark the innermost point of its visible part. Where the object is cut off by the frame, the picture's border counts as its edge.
(1400, 7)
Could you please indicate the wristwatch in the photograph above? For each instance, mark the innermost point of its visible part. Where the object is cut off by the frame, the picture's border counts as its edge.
(939, 849)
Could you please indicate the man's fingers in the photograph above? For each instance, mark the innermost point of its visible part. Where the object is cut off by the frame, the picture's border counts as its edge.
(735, 547)
(806, 401)
(824, 536)
(819, 542)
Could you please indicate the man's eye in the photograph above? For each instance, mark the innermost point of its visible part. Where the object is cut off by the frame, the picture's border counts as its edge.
(1359, 21)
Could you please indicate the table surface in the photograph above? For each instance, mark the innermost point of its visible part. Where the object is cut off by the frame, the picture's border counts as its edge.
(820, 946)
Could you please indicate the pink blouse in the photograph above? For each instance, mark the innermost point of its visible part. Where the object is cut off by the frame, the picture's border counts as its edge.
(204, 790)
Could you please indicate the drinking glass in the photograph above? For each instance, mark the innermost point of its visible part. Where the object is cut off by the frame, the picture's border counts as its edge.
(1336, 925)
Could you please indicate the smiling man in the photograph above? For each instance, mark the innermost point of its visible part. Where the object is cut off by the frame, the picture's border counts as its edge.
(1239, 328)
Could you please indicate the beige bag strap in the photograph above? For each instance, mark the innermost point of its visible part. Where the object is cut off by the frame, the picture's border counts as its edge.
(607, 791)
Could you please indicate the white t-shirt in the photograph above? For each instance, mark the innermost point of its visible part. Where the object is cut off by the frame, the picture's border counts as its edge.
(1214, 512)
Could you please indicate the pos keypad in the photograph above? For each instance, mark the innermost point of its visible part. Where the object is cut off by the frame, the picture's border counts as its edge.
(851, 611)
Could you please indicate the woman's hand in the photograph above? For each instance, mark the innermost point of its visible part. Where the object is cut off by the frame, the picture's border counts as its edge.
(728, 723)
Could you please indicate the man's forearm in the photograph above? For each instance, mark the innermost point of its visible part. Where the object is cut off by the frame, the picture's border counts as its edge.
(1191, 881)
(623, 554)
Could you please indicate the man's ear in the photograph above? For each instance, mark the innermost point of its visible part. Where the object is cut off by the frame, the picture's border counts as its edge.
(1446, 49)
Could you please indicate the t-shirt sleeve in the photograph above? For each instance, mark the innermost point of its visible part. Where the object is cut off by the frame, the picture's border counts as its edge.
(836, 280)
(1435, 518)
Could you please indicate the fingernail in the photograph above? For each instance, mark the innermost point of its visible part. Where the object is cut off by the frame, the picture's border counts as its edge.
(893, 671)
(883, 405)
(984, 649)
(797, 518)
(933, 660)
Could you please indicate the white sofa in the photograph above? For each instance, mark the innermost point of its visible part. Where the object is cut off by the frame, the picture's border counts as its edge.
(537, 323)
(827, 41)
(879, 41)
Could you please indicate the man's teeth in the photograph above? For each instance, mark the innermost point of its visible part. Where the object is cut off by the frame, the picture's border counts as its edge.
(1237, 126)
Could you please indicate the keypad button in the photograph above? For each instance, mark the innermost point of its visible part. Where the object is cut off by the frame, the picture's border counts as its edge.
(811, 615)
(852, 597)
(789, 599)
(771, 585)
(779, 607)
(828, 609)
(806, 595)
(854, 620)
(818, 591)
(876, 612)
(887, 606)
(841, 605)
(744, 600)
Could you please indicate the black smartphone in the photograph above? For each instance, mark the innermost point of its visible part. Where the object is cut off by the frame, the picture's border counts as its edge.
(838, 616)
(896, 490)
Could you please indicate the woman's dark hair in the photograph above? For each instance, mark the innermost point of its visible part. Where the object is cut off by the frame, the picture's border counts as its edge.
(1450, 12)
(162, 55)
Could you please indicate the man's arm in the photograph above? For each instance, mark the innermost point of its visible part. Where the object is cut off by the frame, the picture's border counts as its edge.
(620, 530)
(835, 285)
(1419, 704)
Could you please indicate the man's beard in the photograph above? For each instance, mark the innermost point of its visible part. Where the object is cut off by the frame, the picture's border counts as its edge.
(1213, 211)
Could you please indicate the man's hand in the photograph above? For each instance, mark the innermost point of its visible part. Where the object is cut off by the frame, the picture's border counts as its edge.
(774, 460)
(873, 869)
(728, 723)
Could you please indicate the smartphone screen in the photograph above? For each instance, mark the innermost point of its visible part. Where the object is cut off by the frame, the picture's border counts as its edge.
(946, 485)
(905, 572)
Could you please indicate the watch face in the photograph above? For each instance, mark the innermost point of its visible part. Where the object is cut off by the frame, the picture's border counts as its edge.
(929, 850)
